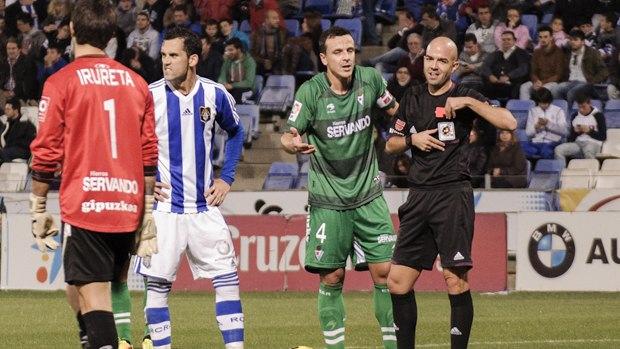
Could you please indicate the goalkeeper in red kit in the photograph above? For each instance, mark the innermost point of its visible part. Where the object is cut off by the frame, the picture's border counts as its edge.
(96, 127)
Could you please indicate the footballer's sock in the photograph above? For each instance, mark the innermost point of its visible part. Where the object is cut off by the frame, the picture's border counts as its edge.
(146, 324)
(228, 312)
(383, 312)
(331, 315)
(405, 319)
(101, 330)
(157, 312)
(82, 326)
(121, 307)
(461, 318)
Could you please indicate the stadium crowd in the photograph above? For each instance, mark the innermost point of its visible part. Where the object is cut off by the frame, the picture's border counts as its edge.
(543, 50)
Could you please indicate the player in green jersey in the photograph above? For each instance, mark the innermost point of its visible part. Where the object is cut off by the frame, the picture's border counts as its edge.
(347, 209)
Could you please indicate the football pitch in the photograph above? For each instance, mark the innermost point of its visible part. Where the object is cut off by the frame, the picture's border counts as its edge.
(287, 319)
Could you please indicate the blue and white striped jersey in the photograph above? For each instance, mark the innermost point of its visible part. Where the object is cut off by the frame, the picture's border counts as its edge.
(185, 127)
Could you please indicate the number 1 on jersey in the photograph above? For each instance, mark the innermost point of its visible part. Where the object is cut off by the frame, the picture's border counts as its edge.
(110, 107)
(320, 233)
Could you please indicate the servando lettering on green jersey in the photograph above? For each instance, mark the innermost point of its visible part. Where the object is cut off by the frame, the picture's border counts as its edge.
(342, 128)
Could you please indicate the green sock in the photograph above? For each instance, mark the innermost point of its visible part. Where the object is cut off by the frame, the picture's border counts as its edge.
(383, 312)
(331, 315)
(146, 325)
(121, 307)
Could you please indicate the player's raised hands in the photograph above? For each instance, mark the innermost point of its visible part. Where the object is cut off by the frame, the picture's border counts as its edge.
(299, 145)
(217, 193)
(162, 191)
(425, 142)
(453, 104)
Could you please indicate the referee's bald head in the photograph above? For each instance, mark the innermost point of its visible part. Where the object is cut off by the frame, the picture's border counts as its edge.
(443, 46)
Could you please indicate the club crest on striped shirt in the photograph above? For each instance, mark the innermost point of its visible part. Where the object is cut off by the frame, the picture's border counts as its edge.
(205, 114)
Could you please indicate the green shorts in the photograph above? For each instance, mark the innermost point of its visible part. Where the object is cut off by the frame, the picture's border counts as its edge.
(365, 233)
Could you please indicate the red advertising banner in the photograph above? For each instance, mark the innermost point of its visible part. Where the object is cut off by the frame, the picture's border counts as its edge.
(271, 250)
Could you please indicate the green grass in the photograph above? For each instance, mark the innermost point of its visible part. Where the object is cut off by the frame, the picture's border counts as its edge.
(284, 320)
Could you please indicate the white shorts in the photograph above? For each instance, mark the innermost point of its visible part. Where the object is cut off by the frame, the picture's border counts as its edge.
(203, 236)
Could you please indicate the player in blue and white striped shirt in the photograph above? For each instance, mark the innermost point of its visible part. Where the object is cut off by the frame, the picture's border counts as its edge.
(187, 107)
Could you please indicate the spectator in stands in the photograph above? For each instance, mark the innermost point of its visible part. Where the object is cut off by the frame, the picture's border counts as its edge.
(36, 9)
(189, 7)
(402, 164)
(477, 155)
(126, 15)
(182, 19)
(607, 39)
(57, 12)
(258, 12)
(386, 62)
(470, 8)
(448, 9)
(590, 38)
(215, 9)
(400, 82)
(505, 69)
(238, 71)
(301, 53)
(369, 30)
(156, 10)
(212, 30)
(585, 68)
(435, 26)
(559, 35)
(33, 41)
(18, 75)
(228, 32)
(587, 134)
(267, 43)
(613, 89)
(545, 128)
(15, 135)
(138, 61)
(513, 24)
(484, 29)
(414, 60)
(144, 36)
(547, 66)
(62, 39)
(3, 37)
(470, 61)
(507, 164)
(116, 46)
(52, 62)
(210, 63)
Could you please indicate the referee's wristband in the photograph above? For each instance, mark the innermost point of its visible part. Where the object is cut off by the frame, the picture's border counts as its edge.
(408, 140)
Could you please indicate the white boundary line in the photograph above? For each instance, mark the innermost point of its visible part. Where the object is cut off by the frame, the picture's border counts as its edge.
(504, 343)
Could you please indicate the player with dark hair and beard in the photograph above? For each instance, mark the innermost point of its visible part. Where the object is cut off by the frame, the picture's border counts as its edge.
(434, 121)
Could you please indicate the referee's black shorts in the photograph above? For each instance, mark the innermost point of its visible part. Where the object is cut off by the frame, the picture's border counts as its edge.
(436, 221)
(91, 256)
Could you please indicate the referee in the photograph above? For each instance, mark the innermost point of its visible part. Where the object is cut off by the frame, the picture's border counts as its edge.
(434, 120)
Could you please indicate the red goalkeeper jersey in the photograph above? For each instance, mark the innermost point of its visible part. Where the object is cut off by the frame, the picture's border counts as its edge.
(96, 126)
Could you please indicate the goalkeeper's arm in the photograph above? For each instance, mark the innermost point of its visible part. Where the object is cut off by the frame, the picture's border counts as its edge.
(43, 227)
(146, 235)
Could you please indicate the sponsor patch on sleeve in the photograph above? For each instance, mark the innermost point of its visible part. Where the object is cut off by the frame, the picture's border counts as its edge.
(295, 111)
(385, 99)
(43, 106)
(399, 125)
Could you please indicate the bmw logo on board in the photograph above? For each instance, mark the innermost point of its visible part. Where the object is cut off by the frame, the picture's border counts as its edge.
(551, 250)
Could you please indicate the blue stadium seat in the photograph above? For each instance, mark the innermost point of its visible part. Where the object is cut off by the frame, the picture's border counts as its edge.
(597, 103)
(278, 182)
(305, 167)
(385, 11)
(292, 27)
(547, 18)
(612, 119)
(495, 102)
(544, 181)
(521, 135)
(325, 7)
(520, 109)
(259, 81)
(612, 105)
(252, 113)
(354, 25)
(283, 169)
(302, 182)
(325, 24)
(563, 104)
(278, 93)
(549, 166)
(245, 27)
(531, 22)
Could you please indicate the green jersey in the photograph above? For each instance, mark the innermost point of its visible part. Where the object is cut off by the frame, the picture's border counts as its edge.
(343, 169)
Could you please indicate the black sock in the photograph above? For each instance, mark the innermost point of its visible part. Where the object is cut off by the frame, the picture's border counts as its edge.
(82, 328)
(461, 318)
(101, 329)
(405, 312)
